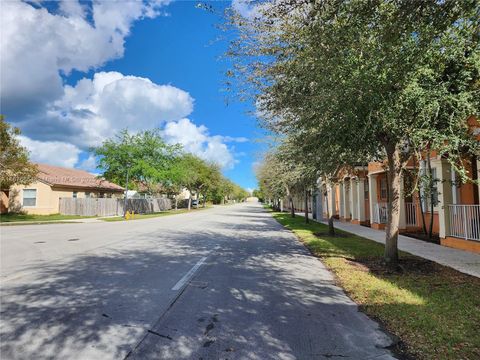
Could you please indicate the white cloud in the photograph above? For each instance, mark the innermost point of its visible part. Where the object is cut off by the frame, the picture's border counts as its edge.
(196, 139)
(59, 122)
(249, 9)
(51, 152)
(95, 109)
(88, 164)
(39, 44)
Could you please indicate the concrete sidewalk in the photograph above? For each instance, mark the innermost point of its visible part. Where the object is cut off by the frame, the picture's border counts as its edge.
(463, 261)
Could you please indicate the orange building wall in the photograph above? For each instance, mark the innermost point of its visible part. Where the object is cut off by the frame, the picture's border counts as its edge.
(462, 244)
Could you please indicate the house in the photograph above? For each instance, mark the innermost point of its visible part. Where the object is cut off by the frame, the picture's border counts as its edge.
(54, 182)
(360, 196)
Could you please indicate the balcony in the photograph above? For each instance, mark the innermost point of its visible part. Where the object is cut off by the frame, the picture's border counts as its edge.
(464, 221)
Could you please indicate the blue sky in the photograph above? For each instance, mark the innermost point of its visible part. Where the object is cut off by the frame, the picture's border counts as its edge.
(148, 55)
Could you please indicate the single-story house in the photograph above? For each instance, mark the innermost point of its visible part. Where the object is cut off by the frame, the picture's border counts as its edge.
(54, 182)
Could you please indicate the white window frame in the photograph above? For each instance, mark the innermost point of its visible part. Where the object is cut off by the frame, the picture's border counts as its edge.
(23, 198)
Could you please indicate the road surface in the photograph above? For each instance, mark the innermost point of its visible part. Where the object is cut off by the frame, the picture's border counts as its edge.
(224, 283)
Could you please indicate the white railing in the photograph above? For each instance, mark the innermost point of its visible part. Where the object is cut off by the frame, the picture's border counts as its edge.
(464, 221)
(411, 214)
(379, 215)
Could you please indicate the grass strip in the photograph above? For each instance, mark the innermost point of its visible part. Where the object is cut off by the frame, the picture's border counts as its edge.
(8, 218)
(433, 309)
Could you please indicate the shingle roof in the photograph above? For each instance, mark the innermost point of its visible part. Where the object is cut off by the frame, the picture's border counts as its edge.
(65, 177)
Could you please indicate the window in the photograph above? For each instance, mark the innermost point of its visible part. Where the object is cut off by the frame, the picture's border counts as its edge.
(75, 194)
(87, 195)
(109, 195)
(29, 197)
(383, 188)
(366, 194)
(102, 195)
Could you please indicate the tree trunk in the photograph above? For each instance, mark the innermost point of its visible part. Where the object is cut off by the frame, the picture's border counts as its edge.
(394, 176)
(331, 227)
(307, 220)
(204, 201)
(189, 202)
(176, 202)
(424, 224)
(292, 209)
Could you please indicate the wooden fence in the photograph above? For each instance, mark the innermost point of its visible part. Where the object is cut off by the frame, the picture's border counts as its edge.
(111, 207)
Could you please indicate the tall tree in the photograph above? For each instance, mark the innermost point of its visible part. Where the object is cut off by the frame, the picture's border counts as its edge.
(376, 78)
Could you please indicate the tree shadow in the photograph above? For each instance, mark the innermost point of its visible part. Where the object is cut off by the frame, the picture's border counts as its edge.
(260, 295)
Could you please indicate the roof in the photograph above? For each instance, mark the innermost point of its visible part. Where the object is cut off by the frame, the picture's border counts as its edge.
(65, 177)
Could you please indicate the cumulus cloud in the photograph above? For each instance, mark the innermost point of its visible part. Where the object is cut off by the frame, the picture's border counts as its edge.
(40, 44)
(247, 8)
(43, 44)
(51, 152)
(197, 140)
(97, 108)
(88, 164)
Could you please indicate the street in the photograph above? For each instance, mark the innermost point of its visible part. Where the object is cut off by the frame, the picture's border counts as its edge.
(223, 283)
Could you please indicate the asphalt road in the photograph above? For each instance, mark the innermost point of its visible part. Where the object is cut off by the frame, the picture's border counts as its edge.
(224, 283)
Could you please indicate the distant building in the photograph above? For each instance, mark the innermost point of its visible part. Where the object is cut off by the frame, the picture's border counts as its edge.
(54, 182)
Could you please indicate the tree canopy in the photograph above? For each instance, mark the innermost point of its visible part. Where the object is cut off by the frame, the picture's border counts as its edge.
(355, 81)
(15, 167)
(159, 167)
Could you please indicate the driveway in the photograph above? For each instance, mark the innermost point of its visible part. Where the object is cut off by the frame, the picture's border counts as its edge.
(225, 283)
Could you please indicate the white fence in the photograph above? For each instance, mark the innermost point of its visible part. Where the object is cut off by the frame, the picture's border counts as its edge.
(464, 221)
(111, 207)
(411, 214)
(379, 215)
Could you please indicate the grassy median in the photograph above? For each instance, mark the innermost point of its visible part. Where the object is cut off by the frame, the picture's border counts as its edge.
(433, 309)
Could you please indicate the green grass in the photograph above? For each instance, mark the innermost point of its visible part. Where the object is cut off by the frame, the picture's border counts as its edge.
(9, 218)
(433, 309)
(153, 215)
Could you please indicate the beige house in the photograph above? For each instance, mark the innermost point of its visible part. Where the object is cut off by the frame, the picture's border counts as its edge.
(54, 182)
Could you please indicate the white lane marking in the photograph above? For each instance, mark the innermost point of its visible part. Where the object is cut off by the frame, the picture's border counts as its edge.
(189, 274)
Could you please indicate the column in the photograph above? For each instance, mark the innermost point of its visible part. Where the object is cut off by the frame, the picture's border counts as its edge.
(402, 224)
(445, 197)
(478, 175)
(320, 205)
(346, 199)
(332, 200)
(372, 193)
(353, 199)
(361, 200)
(342, 203)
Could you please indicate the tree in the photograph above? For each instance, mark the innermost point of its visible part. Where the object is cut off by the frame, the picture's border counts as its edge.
(15, 167)
(376, 79)
(285, 171)
(144, 157)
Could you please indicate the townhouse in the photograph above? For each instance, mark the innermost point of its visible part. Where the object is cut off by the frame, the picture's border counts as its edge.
(360, 196)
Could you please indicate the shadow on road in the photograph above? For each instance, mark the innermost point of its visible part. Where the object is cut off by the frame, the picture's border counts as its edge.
(259, 296)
